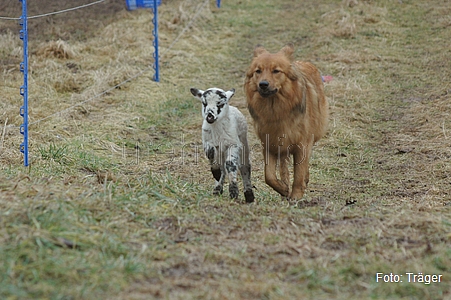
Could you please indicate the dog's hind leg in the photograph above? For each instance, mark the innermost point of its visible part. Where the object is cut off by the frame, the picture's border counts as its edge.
(301, 170)
(271, 177)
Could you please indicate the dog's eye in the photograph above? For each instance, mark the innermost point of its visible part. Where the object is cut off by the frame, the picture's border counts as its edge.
(258, 71)
(276, 71)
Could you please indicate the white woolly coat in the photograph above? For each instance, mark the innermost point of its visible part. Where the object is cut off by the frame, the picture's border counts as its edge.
(230, 130)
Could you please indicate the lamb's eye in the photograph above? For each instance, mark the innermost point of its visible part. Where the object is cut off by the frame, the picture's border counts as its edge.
(221, 105)
(276, 71)
(204, 104)
(258, 71)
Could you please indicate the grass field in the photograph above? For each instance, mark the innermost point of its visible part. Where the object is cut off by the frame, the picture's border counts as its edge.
(117, 201)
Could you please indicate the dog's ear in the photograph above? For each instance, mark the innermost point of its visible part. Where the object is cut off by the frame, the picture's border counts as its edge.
(197, 93)
(258, 50)
(292, 73)
(249, 74)
(288, 51)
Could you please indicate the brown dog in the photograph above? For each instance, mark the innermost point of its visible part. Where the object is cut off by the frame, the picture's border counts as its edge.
(286, 100)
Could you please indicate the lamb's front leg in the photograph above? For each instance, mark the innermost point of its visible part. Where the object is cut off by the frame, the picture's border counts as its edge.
(216, 169)
(219, 181)
(231, 165)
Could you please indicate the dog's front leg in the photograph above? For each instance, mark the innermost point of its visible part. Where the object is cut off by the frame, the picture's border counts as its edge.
(284, 173)
(271, 177)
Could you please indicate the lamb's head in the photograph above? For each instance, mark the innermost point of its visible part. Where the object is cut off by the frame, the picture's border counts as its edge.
(215, 102)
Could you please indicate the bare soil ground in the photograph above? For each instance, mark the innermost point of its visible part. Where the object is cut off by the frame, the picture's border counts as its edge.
(117, 201)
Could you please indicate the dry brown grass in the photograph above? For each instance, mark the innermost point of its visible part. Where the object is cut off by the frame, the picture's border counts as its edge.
(107, 210)
(57, 49)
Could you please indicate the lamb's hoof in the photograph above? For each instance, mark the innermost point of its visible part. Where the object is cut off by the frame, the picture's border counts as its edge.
(233, 190)
(249, 196)
(217, 190)
(233, 194)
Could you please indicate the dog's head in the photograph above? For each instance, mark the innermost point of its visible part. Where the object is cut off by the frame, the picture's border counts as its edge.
(269, 71)
(215, 102)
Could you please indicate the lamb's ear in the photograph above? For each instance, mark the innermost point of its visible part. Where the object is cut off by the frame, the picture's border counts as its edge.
(288, 51)
(230, 94)
(197, 93)
(259, 50)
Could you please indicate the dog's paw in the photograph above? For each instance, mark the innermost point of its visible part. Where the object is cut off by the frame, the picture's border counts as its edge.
(296, 195)
(285, 189)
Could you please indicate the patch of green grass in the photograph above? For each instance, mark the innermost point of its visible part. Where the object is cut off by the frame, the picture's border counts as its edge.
(54, 153)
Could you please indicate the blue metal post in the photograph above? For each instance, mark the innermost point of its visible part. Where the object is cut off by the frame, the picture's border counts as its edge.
(155, 41)
(24, 87)
(218, 3)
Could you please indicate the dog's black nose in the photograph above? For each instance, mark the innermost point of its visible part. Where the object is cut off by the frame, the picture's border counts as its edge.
(263, 84)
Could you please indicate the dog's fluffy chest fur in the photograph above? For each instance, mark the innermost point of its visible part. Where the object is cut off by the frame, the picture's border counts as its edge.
(281, 123)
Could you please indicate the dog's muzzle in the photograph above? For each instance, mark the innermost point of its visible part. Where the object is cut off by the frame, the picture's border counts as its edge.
(210, 118)
(264, 90)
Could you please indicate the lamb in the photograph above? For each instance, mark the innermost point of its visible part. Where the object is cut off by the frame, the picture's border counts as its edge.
(224, 137)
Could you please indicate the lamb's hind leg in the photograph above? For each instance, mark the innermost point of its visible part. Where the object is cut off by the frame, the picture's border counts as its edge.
(245, 170)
